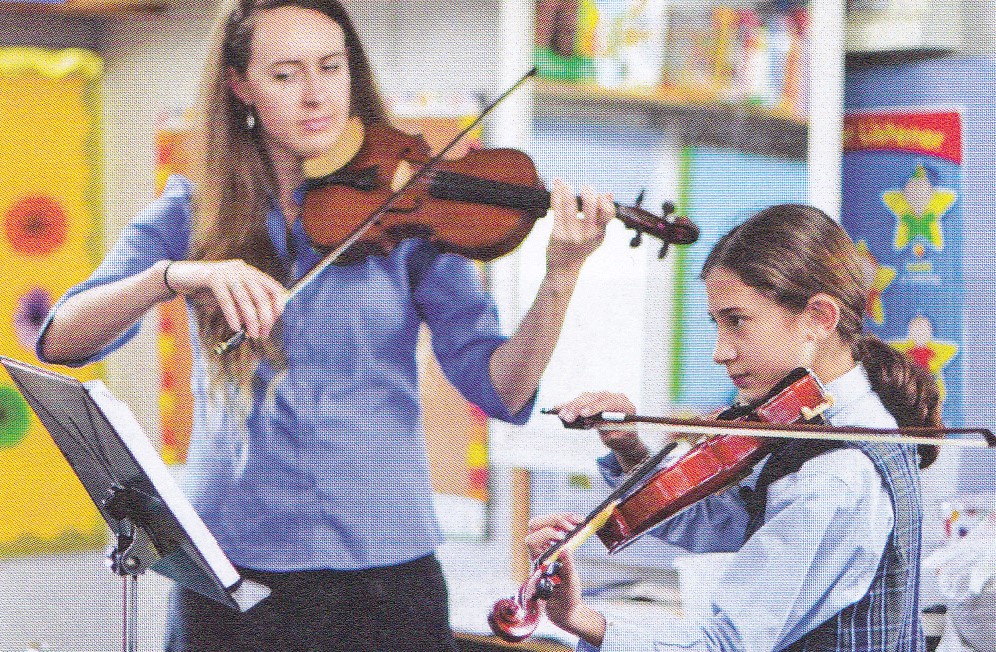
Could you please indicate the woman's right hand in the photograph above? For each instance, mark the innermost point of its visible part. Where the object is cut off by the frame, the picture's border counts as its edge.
(626, 444)
(249, 298)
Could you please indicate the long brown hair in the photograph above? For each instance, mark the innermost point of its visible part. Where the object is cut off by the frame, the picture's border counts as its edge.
(791, 252)
(236, 183)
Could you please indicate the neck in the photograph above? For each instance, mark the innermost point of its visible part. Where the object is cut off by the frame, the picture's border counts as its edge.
(832, 364)
(289, 171)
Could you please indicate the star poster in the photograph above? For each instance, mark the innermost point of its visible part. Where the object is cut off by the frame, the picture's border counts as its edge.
(902, 205)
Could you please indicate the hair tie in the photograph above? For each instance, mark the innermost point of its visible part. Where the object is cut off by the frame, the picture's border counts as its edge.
(169, 287)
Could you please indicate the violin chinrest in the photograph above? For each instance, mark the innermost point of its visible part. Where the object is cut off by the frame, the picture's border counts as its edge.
(344, 151)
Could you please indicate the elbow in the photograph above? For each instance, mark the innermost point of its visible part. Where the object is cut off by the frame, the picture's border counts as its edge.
(55, 346)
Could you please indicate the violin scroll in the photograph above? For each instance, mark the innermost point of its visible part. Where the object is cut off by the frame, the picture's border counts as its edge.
(515, 619)
(669, 228)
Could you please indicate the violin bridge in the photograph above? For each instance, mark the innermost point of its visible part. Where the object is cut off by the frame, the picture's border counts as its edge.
(401, 176)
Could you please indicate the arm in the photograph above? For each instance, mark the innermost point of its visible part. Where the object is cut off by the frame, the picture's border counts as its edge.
(87, 323)
(101, 313)
(517, 365)
(826, 530)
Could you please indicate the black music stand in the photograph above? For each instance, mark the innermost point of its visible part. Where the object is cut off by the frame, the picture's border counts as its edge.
(155, 525)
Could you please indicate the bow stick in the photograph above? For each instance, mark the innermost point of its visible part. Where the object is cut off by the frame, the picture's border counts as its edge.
(911, 435)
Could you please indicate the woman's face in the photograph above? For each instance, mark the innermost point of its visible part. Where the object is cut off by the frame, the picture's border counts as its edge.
(297, 80)
(757, 339)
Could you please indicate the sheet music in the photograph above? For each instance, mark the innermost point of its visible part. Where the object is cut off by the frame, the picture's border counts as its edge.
(121, 418)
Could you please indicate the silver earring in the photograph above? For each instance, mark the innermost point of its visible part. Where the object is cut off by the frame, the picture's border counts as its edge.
(250, 118)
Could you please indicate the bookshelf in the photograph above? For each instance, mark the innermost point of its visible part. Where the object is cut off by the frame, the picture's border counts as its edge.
(87, 8)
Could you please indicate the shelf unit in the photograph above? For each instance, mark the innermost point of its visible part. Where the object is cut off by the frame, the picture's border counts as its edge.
(749, 128)
(87, 8)
(700, 121)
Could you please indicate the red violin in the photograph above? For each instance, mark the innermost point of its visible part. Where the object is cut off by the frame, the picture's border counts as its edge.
(709, 467)
(650, 496)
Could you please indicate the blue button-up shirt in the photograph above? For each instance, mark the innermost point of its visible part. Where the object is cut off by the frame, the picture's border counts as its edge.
(324, 466)
(825, 530)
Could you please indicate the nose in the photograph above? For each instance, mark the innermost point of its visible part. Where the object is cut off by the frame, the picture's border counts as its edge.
(723, 352)
(314, 89)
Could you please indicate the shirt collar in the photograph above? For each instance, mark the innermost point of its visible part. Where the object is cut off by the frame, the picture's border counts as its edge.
(846, 390)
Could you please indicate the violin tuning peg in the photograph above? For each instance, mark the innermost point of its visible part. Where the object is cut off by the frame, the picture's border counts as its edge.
(663, 252)
(667, 208)
(639, 198)
(637, 239)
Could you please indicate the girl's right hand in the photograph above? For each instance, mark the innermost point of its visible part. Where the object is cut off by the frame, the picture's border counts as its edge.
(627, 445)
(249, 298)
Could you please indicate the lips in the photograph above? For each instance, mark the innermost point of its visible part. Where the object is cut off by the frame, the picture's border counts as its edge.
(316, 124)
(740, 380)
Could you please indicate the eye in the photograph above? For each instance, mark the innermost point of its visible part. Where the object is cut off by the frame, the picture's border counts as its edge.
(282, 74)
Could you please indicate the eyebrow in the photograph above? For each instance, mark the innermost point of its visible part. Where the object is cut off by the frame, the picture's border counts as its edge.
(284, 62)
(725, 311)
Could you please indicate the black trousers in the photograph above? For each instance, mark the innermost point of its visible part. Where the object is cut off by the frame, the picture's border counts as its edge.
(390, 609)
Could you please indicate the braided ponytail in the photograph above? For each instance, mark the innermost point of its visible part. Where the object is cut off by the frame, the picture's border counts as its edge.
(907, 390)
(792, 252)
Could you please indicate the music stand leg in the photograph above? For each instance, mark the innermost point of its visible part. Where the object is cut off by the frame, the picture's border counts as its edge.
(123, 561)
(130, 614)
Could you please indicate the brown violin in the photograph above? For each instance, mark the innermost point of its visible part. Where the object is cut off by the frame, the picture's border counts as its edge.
(482, 205)
(379, 185)
(649, 496)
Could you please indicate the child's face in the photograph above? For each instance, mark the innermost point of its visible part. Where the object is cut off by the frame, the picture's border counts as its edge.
(757, 340)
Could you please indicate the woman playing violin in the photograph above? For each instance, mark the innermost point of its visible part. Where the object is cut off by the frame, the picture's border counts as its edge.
(827, 537)
(308, 462)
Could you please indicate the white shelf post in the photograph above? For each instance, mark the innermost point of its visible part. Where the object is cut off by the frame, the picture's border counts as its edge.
(826, 103)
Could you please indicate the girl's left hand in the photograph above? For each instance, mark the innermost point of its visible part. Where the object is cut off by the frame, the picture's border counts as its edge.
(576, 234)
(545, 531)
(565, 608)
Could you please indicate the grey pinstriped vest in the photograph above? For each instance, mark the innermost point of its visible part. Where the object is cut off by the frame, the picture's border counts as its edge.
(887, 618)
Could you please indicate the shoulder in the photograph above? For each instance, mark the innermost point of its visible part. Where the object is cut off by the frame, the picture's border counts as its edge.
(165, 224)
(848, 469)
(177, 194)
(444, 270)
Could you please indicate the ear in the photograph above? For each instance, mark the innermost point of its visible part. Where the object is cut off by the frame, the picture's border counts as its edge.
(238, 84)
(823, 312)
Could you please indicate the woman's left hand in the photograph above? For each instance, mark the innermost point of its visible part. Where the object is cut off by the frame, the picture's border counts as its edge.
(576, 234)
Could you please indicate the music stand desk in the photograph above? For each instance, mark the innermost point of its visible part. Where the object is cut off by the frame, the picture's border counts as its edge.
(156, 526)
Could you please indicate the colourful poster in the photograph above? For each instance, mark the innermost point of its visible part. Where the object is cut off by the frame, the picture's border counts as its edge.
(50, 209)
(901, 204)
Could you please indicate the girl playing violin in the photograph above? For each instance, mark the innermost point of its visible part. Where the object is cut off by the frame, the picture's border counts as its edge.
(827, 538)
(308, 462)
